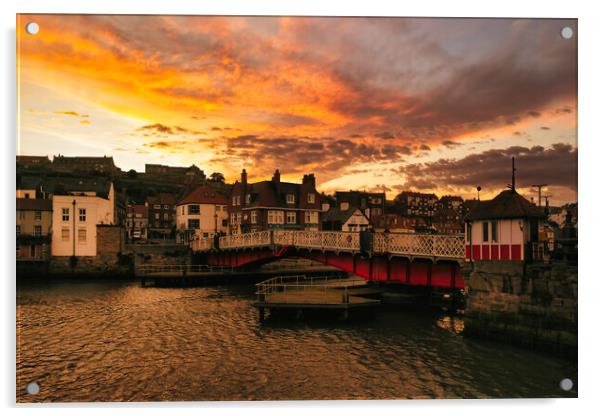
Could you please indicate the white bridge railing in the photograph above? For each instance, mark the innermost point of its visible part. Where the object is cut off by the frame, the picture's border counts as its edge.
(421, 245)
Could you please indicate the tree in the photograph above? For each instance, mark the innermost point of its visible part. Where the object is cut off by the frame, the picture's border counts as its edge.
(132, 174)
(217, 177)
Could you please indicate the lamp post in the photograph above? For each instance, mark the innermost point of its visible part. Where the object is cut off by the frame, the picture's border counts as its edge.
(73, 203)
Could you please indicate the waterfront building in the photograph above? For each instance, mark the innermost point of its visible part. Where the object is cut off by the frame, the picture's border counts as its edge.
(161, 215)
(76, 213)
(372, 204)
(349, 219)
(395, 223)
(274, 204)
(136, 224)
(34, 226)
(203, 212)
(504, 228)
(417, 204)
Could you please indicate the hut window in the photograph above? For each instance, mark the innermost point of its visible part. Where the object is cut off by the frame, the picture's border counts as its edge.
(485, 231)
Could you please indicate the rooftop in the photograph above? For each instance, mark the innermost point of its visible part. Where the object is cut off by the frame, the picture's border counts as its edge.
(506, 205)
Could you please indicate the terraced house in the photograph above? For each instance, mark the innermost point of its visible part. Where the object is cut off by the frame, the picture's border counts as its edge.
(274, 204)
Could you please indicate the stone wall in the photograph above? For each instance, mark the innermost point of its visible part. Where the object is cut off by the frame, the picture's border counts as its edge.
(534, 305)
(160, 254)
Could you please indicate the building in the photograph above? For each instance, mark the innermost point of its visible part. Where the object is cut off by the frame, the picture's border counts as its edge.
(504, 228)
(136, 224)
(395, 223)
(351, 219)
(274, 204)
(33, 162)
(371, 203)
(417, 204)
(89, 164)
(203, 212)
(34, 228)
(161, 216)
(76, 215)
(190, 174)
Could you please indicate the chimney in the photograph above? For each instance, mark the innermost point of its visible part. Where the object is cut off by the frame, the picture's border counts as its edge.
(243, 177)
(276, 177)
(309, 180)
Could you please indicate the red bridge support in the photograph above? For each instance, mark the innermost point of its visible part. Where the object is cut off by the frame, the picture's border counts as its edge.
(376, 268)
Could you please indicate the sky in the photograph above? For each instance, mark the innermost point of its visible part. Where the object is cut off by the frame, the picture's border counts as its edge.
(377, 104)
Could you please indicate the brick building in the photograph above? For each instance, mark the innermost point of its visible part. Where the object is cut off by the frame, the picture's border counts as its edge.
(274, 204)
(161, 216)
(417, 204)
(372, 204)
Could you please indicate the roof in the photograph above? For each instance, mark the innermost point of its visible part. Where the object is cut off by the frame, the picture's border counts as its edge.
(29, 204)
(204, 195)
(162, 198)
(138, 209)
(507, 204)
(265, 193)
(336, 215)
(66, 184)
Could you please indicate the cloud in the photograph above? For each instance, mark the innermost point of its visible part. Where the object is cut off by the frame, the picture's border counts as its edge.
(555, 165)
(71, 113)
(450, 144)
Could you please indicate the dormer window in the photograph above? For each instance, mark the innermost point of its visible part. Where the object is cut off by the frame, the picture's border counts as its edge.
(311, 198)
(290, 198)
(344, 206)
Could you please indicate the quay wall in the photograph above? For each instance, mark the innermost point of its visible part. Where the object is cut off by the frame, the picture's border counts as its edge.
(532, 305)
(114, 258)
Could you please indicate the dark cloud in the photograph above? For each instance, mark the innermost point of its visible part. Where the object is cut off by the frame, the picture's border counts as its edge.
(450, 143)
(544, 128)
(386, 135)
(158, 129)
(556, 165)
(424, 147)
(534, 114)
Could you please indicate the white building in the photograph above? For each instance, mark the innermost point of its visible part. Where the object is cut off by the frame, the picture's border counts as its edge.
(345, 218)
(75, 217)
(202, 212)
(504, 228)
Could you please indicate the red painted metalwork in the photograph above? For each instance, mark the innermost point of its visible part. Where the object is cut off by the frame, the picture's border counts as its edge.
(378, 268)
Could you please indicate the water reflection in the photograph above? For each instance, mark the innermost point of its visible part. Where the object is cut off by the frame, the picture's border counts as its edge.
(111, 341)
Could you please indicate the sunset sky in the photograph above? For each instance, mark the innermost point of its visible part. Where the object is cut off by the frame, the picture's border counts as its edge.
(432, 105)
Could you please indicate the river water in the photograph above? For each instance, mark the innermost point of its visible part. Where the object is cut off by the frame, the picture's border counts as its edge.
(117, 341)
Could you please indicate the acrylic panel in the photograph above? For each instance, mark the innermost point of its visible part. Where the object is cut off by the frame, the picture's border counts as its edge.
(295, 208)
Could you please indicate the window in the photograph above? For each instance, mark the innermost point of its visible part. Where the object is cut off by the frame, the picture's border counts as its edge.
(311, 217)
(27, 195)
(81, 235)
(194, 224)
(253, 217)
(224, 223)
(311, 198)
(485, 231)
(377, 211)
(157, 206)
(156, 215)
(165, 206)
(344, 206)
(194, 209)
(291, 217)
(82, 215)
(248, 199)
(290, 198)
(218, 208)
(239, 217)
(234, 200)
(18, 230)
(166, 216)
(37, 230)
(65, 234)
(494, 231)
(38, 216)
(233, 219)
(65, 214)
(275, 217)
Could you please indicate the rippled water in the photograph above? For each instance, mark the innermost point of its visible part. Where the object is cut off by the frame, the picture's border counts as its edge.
(116, 341)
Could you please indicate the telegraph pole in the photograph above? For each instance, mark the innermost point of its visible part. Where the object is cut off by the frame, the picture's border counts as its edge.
(539, 186)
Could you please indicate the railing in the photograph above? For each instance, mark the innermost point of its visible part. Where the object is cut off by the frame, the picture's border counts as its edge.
(287, 285)
(256, 239)
(410, 244)
(180, 268)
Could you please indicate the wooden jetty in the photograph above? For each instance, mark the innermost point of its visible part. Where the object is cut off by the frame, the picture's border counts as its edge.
(302, 293)
(199, 274)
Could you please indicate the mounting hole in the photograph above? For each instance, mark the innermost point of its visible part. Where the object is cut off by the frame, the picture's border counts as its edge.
(566, 384)
(566, 32)
(32, 28)
(33, 388)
